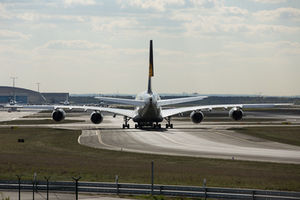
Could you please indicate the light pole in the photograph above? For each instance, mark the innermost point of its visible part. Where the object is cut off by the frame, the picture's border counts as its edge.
(38, 86)
(14, 80)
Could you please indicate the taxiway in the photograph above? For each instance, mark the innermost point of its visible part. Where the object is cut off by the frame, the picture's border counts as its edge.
(208, 139)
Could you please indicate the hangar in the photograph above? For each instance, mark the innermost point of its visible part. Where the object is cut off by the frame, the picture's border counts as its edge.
(22, 95)
(27, 96)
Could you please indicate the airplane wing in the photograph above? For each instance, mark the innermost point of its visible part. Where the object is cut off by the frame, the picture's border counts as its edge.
(122, 101)
(175, 111)
(165, 102)
(118, 111)
(12, 106)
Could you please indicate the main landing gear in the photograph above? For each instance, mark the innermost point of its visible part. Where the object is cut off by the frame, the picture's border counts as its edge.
(157, 125)
(169, 125)
(153, 125)
(149, 125)
(126, 125)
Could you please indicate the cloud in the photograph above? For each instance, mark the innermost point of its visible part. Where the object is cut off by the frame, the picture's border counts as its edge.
(270, 1)
(232, 22)
(3, 12)
(266, 49)
(72, 45)
(209, 25)
(231, 10)
(207, 3)
(79, 2)
(12, 35)
(279, 13)
(159, 5)
(112, 23)
(29, 16)
(33, 17)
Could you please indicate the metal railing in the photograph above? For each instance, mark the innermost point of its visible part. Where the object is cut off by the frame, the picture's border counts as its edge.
(146, 189)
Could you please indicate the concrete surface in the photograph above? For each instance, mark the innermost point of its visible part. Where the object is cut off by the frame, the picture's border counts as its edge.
(14, 195)
(201, 141)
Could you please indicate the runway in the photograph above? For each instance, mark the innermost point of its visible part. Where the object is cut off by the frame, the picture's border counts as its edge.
(201, 141)
(8, 116)
(208, 139)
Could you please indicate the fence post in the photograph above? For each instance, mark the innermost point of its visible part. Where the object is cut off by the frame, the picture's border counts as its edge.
(160, 190)
(33, 185)
(253, 194)
(205, 190)
(117, 184)
(152, 176)
(47, 179)
(19, 183)
(76, 186)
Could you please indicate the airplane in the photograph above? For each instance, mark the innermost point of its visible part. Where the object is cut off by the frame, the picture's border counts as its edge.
(12, 106)
(66, 102)
(149, 107)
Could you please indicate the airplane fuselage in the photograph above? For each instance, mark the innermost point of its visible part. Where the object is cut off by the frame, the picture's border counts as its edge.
(150, 112)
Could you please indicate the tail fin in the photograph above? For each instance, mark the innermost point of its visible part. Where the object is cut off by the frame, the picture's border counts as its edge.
(151, 72)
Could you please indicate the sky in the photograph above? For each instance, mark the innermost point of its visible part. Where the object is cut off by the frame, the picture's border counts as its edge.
(204, 46)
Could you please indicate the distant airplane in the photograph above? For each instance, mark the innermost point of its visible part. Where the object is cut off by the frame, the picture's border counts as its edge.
(12, 105)
(66, 102)
(149, 110)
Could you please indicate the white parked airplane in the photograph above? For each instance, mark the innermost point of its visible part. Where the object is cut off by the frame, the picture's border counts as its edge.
(149, 107)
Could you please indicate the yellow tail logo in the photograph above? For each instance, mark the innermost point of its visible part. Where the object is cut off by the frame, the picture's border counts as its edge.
(150, 70)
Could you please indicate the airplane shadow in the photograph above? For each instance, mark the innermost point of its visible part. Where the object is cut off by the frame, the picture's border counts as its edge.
(148, 129)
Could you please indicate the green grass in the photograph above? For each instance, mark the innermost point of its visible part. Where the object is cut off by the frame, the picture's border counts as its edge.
(41, 121)
(288, 135)
(56, 153)
(2, 197)
(37, 116)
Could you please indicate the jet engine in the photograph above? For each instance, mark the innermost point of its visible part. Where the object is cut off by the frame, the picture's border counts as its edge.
(58, 115)
(197, 117)
(96, 117)
(236, 113)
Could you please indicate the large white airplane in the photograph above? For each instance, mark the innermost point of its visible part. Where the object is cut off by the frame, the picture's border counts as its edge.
(149, 109)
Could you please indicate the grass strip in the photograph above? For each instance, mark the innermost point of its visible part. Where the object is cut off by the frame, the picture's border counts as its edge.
(287, 135)
(56, 153)
(41, 121)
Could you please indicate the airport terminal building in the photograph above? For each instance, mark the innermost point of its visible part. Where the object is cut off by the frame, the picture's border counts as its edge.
(27, 96)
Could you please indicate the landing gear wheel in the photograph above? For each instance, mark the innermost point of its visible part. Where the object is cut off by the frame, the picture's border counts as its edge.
(136, 126)
(128, 126)
(169, 125)
(125, 126)
(159, 126)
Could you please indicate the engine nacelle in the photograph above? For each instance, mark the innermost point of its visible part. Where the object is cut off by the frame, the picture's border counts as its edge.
(58, 115)
(236, 113)
(197, 117)
(96, 117)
